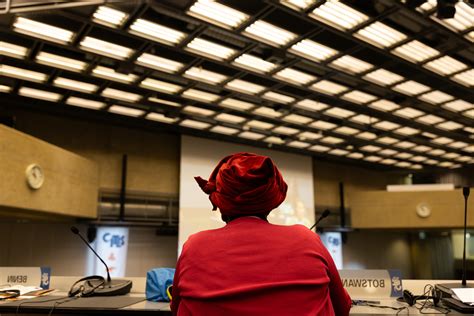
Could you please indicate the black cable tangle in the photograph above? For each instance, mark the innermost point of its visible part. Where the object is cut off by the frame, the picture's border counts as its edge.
(427, 304)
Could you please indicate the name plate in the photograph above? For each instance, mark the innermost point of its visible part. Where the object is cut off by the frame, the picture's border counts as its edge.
(27, 276)
(372, 283)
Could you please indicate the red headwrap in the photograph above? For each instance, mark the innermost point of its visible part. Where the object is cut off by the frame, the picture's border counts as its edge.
(245, 183)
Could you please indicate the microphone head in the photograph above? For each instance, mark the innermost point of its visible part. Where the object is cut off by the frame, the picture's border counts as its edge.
(465, 191)
(326, 213)
(74, 230)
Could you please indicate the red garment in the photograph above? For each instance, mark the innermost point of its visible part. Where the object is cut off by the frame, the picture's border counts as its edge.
(251, 267)
(245, 183)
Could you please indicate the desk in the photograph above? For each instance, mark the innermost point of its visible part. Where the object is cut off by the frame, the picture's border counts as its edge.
(144, 307)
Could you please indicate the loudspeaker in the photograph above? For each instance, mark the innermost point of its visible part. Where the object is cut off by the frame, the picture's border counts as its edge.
(411, 299)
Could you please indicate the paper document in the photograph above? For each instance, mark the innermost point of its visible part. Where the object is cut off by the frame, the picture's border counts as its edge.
(465, 295)
(23, 289)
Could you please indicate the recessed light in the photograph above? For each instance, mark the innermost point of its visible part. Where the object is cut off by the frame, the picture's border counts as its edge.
(437, 152)
(384, 105)
(200, 74)
(278, 97)
(403, 164)
(23, 74)
(269, 33)
(355, 155)
(373, 158)
(216, 13)
(156, 32)
(266, 111)
(108, 49)
(75, 85)
(85, 103)
(322, 125)
(449, 125)
(388, 161)
(338, 15)
(254, 63)
(194, 124)
(431, 162)
(312, 50)
(5, 89)
(190, 109)
(407, 131)
(224, 130)
(12, 50)
(259, 124)
(311, 105)
(445, 65)
(430, 119)
(338, 152)
(364, 119)
(160, 118)
(386, 125)
(251, 135)
(405, 144)
(109, 17)
(121, 95)
(339, 112)
(409, 112)
(162, 101)
(274, 140)
(451, 155)
(225, 117)
(200, 95)
(403, 155)
(294, 76)
(445, 164)
(458, 105)
(236, 104)
(123, 110)
(160, 86)
(351, 64)
(42, 30)
(367, 135)
(458, 144)
(387, 140)
(418, 158)
(244, 86)
(411, 87)
(39, 94)
(370, 148)
(111, 74)
(380, 35)
(328, 87)
(332, 140)
(297, 119)
(436, 97)
(60, 61)
(415, 51)
(346, 130)
(285, 130)
(297, 4)
(469, 113)
(210, 49)
(387, 152)
(383, 77)
(421, 148)
(359, 97)
(159, 63)
(298, 144)
(469, 149)
(465, 78)
(309, 135)
(442, 140)
(319, 148)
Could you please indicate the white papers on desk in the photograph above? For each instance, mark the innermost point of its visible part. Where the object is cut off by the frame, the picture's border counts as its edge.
(465, 295)
(23, 289)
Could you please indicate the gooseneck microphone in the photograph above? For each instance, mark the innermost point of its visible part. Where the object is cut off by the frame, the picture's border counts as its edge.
(75, 230)
(324, 215)
(112, 288)
(465, 192)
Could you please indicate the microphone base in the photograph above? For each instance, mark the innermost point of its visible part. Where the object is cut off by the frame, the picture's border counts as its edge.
(114, 288)
(444, 291)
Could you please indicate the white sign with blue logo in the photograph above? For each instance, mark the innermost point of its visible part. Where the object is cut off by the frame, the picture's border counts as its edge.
(111, 244)
(27, 276)
(372, 283)
(333, 243)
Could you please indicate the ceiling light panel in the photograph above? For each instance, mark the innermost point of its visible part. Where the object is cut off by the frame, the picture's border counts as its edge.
(387, 152)
(436, 152)
(465, 78)
(194, 124)
(367, 135)
(380, 35)
(351, 64)
(229, 118)
(384, 105)
(12, 50)
(430, 119)
(298, 4)
(409, 112)
(123, 110)
(355, 155)
(42, 30)
(278, 97)
(5, 89)
(370, 148)
(449, 125)
(458, 145)
(198, 111)
(319, 148)
(328, 87)
(254, 63)
(405, 144)
(386, 125)
(364, 119)
(309, 135)
(108, 49)
(269, 33)
(159, 63)
(121, 95)
(160, 86)
(436, 97)
(387, 140)
(445, 65)
(259, 124)
(298, 144)
(85, 103)
(297, 119)
(312, 50)
(266, 111)
(411, 87)
(373, 158)
(75, 85)
(311, 105)
(60, 62)
(210, 49)
(236, 104)
(359, 97)
(156, 32)
(323, 125)
(346, 130)
(109, 17)
(461, 21)
(442, 140)
(332, 140)
(200, 74)
(224, 130)
(216, 13)
(469, 113)
(285, 130)
(339, 112)
(388, 161)
(23, 74)
(458, 105)
(338, 15)
(294, 76)
(383, 77)
(407, 131)
(111, 74)
(244, 86)
(415, 51)
(403, 155)
(162, 101)
(274, 140)
(200, 95)
(251, 135)
(39, 94)
(160, 118)
(338, 152)
(421, 148)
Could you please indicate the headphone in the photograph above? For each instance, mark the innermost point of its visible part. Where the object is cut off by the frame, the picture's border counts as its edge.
(85, 287)
(411, 299)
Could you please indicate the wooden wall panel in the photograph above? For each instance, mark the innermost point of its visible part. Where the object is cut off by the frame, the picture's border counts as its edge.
(71, 182)
(382, 209)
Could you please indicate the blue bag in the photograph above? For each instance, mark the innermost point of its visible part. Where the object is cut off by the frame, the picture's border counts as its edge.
(157, 282)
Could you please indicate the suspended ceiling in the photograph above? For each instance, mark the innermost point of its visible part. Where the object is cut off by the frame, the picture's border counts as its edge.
(376, 82)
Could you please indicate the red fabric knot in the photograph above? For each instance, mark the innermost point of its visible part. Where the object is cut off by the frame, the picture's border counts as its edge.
(245, 183)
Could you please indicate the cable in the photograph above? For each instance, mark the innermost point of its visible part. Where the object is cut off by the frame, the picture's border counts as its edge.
(427, 304)
(36, 302)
